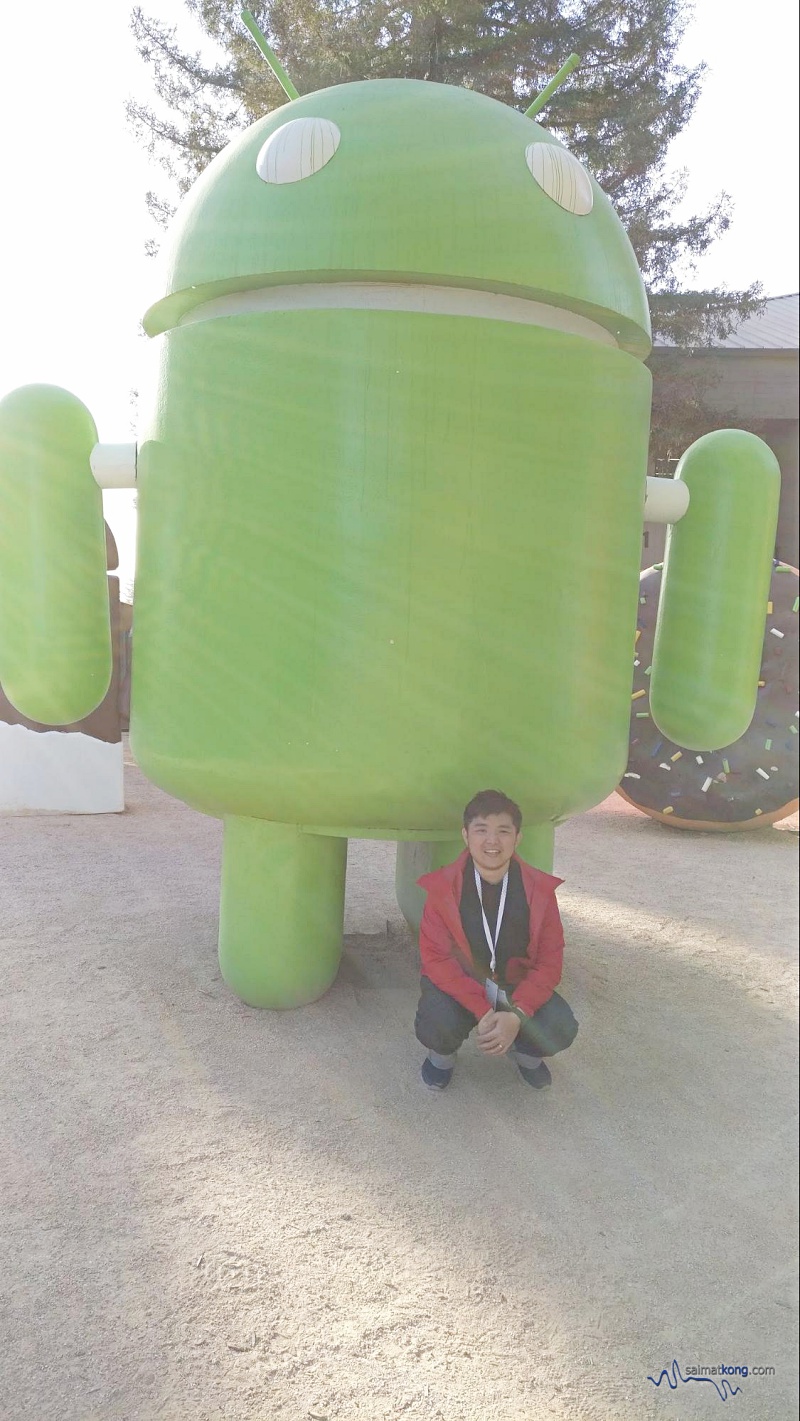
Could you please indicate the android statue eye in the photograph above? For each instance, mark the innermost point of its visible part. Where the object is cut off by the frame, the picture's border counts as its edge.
(297, 150)
(561, 176)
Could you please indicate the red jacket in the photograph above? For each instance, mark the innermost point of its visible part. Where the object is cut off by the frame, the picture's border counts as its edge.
(447, 956)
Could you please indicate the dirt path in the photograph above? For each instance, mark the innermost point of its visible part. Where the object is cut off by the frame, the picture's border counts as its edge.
(214, 1212)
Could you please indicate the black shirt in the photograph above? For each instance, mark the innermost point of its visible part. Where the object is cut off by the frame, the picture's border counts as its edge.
(514, 929)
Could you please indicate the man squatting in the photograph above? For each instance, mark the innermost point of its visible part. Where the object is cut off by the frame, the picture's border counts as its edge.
(491, 948)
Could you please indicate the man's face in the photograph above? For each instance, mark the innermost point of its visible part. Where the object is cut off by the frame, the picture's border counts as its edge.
(491, 841)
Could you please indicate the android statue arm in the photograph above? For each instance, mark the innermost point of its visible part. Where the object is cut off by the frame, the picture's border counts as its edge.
(722, 508)
(55, 636)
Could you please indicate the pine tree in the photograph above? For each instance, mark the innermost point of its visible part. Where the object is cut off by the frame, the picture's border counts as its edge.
(619, 114)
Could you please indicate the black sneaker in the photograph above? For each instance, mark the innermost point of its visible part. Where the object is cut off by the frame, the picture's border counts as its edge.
(538, 1078)
(434, 1077)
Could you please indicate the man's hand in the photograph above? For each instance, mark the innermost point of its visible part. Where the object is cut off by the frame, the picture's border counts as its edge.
(497, 1031)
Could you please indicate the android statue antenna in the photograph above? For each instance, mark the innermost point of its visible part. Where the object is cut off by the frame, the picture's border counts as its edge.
(271, 58)
(555, 83)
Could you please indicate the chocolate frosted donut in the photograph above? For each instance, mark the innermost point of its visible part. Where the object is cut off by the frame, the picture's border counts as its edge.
(754, 781)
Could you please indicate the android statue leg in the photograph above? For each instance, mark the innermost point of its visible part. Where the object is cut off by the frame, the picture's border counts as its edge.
(414, 859)
(281, 912)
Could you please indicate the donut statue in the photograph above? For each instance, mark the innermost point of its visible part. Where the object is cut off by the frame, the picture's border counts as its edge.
(750, 783)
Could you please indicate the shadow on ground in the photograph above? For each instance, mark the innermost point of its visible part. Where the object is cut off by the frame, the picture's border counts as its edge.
(211, 1211)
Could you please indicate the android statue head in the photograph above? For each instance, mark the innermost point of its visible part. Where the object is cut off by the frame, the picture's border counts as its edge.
(404, 181)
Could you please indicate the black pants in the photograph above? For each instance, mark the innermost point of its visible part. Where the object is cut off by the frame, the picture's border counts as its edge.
(442, 1024)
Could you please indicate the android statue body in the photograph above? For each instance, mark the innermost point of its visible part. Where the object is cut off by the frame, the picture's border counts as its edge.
(365, 615)
(400, 395)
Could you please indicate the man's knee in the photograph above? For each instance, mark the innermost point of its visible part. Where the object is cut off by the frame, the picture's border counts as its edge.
(441, 1023)
(551, 1029)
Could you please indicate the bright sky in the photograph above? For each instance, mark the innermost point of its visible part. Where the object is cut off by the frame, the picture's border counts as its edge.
(74, 221)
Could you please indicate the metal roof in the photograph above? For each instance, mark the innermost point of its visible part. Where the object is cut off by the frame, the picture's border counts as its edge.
(777, 328)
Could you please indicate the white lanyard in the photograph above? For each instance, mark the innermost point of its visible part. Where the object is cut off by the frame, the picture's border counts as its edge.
(492, 941)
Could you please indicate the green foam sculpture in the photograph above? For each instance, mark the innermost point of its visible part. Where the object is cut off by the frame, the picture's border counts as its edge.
(400, 398)
(55, 636)
(717, 571)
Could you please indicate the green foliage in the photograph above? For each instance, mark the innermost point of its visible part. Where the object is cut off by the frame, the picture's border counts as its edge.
(688, 323)
(619, 113)
(681, 412)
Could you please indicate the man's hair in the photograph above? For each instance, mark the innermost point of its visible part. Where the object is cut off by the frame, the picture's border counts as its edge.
(491, 801)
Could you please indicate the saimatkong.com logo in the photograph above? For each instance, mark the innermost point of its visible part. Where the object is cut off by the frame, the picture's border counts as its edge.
(723, 1378)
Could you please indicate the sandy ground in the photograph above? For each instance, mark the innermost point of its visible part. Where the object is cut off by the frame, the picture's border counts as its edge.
(215, 1212)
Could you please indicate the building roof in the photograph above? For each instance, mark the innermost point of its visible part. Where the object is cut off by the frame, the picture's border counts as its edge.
(777, 328)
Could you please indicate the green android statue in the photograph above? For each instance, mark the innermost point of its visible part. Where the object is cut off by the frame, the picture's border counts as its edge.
(400, 397)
